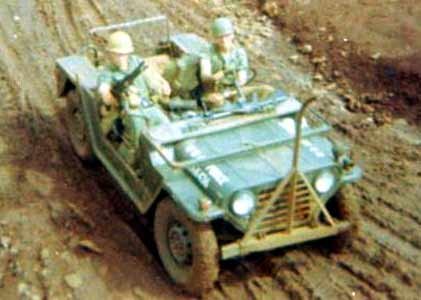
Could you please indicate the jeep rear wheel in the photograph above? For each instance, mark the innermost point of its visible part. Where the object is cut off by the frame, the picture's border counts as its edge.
(76, 127)
(188, 250)
(344, 206)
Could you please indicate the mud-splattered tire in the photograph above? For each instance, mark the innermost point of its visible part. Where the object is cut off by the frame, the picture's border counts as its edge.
(76, 128)
(197, 273)
(344, 206)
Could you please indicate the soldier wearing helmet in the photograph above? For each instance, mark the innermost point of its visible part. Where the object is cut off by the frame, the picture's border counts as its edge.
(225, 66)
(127, 105)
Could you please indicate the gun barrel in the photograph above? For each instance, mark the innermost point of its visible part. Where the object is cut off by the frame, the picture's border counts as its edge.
(121, 85)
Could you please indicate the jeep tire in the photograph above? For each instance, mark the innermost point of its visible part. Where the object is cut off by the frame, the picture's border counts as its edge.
(188, 250)
(76, 127)
(344, 206)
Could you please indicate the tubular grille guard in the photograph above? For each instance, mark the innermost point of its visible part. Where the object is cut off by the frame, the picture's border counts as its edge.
(276, 218)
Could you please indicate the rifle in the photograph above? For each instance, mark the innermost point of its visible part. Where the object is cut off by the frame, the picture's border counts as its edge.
(252, 106)
(120, 86)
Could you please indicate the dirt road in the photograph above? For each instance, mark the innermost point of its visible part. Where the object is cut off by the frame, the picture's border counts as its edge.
(60, 237)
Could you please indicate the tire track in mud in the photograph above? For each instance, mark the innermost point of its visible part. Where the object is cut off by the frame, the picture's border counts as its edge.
(69, 11)
(96, 7)
(47, 16)
(380, 217)
(61, 23)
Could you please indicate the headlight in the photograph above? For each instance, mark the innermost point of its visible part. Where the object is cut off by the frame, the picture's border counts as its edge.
(243, 203)
(324, 182)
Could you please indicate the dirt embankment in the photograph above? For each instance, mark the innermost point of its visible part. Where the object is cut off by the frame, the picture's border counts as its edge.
(372, 46)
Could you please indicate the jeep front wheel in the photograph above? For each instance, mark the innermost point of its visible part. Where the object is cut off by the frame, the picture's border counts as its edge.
(188, 250)
(344, 206)
(76, 127)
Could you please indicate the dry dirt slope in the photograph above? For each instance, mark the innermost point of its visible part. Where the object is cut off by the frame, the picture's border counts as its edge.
(49, 202)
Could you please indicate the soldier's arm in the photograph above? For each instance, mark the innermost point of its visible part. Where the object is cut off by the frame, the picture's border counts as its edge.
(243, 67)
(104, 90)
(156, 83)
(206, 72)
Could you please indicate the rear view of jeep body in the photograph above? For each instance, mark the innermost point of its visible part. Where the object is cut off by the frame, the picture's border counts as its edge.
(261, 172)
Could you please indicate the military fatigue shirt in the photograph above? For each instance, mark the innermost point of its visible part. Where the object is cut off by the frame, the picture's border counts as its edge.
(111, 74)
(230, 63)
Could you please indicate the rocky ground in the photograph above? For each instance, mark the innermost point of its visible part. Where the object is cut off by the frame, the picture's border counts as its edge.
(60, 236)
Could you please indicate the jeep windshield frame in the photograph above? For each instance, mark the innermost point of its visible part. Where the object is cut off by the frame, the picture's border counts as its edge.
(161, 145)
(137, 23)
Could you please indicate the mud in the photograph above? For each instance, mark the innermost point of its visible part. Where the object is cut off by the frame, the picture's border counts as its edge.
(61, 236)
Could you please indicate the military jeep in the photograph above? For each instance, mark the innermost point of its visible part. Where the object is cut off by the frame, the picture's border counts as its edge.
(251, 176)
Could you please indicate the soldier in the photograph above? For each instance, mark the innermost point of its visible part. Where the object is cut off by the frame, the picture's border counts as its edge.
(128, 103)
(225, 67)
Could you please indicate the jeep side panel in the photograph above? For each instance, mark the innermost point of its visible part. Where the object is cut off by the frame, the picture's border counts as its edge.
(80, 72)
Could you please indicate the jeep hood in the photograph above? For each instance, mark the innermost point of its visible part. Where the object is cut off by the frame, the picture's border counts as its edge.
(256, 166)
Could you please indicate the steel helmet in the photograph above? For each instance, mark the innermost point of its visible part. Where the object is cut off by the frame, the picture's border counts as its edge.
(222, 26)
(120, 42)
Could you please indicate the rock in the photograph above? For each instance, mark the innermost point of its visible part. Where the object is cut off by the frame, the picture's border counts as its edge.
(90, 246)
(266, 33)
(14, 251)
(271, 8)
(23, 289)
(294, 58)
(382, 118)
(331, 86)
(318, 60)
(352, 103)
(306, 49)
(45, 254)
(5, 242)
(376, 56)
(73, 280)
(318, 77)
(343, 53)
(368, 122)
(367, 108)
(336, 73)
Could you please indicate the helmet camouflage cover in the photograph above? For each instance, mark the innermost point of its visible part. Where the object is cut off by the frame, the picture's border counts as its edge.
(222, 26)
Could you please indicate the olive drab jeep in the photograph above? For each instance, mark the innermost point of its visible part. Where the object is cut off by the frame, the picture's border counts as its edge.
(220, 183)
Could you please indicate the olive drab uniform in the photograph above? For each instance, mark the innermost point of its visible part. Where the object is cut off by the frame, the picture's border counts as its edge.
(132, 116)
(230, 63)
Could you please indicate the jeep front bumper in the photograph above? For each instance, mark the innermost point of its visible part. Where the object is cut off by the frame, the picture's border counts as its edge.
(282, 239)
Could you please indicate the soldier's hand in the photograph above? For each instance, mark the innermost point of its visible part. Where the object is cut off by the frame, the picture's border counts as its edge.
(107, 96)
(134, 100)
(218, 75)
(110, 100)
(215, 99)
(165, 89)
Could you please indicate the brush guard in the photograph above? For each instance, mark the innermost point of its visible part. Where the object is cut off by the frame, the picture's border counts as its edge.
(286, 215)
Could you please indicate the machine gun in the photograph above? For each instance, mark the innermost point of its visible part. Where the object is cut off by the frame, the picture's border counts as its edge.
(248, 107)
(120, 86)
